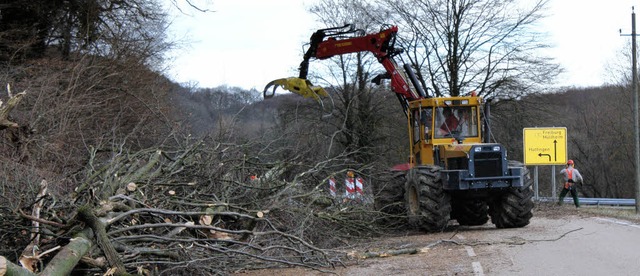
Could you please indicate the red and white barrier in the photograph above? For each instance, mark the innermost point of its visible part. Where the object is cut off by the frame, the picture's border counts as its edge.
(332, 187)
(349, 183)
(354, 187)
(359, 186)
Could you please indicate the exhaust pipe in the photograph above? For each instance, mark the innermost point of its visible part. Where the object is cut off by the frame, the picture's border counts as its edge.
(487, 125)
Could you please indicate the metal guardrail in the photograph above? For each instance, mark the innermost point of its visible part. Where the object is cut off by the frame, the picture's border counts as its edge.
(594, 201)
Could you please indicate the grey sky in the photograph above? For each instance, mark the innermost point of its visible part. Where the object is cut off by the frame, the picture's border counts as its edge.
(247, 43)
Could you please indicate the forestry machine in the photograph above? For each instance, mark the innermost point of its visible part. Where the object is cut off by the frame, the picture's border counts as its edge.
(453, 172)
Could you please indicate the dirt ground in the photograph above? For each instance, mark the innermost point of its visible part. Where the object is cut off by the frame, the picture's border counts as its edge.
(459, 250)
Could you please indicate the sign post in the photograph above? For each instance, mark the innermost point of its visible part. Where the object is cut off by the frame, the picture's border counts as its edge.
(545, 146)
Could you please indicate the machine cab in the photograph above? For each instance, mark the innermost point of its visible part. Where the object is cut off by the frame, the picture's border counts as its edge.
(439, 122)
(455, 121)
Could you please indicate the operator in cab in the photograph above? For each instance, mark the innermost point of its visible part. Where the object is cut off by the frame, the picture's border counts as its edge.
(450, 122)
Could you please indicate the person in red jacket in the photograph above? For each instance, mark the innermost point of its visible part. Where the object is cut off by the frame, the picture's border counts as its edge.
(571, 177)
(450, 121)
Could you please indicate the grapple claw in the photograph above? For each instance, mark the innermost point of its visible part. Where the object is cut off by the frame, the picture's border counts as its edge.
(296, 85)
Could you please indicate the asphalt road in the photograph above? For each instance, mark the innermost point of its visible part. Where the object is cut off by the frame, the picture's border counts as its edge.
(558, 241)
(590, 246)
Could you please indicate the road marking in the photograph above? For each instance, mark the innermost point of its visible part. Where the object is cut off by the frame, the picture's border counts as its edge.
(621, 222)
(470, 251)
(477, 269)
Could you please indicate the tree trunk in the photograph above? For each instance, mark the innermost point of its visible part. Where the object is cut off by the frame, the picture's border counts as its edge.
(87, 216)
(11, 269)
(6, 109)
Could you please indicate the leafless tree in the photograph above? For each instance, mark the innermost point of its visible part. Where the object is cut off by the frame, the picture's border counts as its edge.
(359, 109)
(599, 136)
(121, 30)
(491, 47)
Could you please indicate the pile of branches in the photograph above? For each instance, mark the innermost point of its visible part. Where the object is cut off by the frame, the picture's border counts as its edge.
(202, 207)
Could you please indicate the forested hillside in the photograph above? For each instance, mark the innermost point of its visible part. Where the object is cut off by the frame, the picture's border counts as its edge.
(599, 122)
(106, 166)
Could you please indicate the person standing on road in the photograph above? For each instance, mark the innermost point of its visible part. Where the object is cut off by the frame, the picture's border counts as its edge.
(571, 177)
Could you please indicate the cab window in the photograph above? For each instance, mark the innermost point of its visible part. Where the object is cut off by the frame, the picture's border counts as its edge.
(468, 121)
(459, 121)
(426, 119)
(416, 126)
(446, 122)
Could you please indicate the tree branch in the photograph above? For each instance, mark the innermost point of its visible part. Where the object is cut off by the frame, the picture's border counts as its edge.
(87, 216)
(6, 109)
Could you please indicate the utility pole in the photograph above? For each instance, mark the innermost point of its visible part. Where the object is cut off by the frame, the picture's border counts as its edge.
(634, 88)
(636, 118)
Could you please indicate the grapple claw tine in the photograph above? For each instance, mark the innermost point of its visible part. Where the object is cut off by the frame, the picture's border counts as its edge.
(274, 83)
(299, 86)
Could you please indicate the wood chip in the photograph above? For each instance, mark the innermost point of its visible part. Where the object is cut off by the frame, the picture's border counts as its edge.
(131, 187)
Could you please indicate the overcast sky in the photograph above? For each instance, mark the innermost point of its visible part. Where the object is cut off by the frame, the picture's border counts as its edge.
(247, 43)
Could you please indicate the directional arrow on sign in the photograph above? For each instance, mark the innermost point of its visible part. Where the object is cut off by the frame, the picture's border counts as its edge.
(548, 155)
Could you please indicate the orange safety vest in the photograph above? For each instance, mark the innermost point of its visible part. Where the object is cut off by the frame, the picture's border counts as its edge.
(569, 176)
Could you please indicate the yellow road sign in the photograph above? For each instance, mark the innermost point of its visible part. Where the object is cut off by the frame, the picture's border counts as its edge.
(545, 146)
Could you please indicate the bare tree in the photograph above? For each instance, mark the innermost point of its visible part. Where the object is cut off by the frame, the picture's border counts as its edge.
(599, 136)
(118, 29)
(360, 110)
(125, 174)
(491, 47)
(456, 46)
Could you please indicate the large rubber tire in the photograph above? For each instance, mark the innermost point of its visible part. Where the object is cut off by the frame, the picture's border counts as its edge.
(470, 212)
(514, 208)
(389, 193)
(428, 205)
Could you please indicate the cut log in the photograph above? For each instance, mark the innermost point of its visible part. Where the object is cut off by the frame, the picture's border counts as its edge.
(9, 268)
(67, 259)
(29, 258)
(5, 109)
(87, 216)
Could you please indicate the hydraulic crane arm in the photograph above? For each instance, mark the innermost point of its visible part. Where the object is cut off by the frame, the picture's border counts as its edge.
(326, 43)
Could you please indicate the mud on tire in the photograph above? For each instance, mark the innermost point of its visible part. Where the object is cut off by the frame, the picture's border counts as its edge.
(514, 208)
(428, 206)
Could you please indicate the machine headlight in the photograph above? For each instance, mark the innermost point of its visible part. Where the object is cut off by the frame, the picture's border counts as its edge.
(477, 149)
(496, 148)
